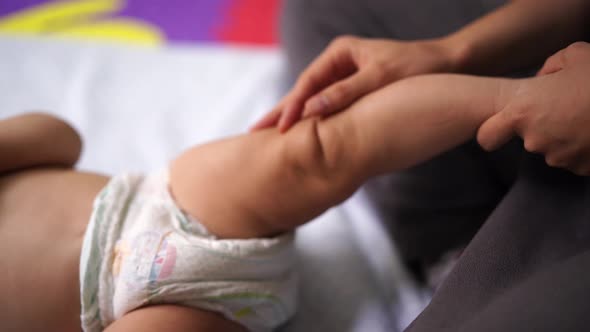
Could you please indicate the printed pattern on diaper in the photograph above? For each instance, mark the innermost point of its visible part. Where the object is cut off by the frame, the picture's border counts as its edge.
(150, 257)
(121, 252)
(164, 262)
(248, 305)
(135, 258)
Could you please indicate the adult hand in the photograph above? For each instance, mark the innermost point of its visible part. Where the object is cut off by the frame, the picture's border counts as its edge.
(352, 67)
(551, 112)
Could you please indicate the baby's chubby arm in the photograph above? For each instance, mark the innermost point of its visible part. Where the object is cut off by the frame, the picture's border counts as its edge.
(265, 183)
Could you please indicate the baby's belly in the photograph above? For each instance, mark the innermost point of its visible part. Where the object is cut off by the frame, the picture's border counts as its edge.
(43, 216)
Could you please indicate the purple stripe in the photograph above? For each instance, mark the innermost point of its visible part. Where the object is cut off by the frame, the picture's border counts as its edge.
(10, 6)
(180, 19)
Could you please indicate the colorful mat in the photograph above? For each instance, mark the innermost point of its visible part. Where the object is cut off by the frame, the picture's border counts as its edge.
(145, 22)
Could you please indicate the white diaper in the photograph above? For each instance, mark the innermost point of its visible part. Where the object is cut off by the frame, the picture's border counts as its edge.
(141, 249)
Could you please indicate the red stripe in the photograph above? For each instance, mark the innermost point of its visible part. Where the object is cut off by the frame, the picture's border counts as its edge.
(251, 21)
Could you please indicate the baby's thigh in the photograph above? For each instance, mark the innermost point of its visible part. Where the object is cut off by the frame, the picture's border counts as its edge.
(173, 318)
(43, 216)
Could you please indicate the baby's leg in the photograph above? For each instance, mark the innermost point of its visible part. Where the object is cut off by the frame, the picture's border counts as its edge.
(260, 184)
(414, 120)
(37, 139)
(264, 183)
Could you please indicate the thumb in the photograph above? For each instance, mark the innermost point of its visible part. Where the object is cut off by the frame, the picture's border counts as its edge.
(553, 64)
(496, 131)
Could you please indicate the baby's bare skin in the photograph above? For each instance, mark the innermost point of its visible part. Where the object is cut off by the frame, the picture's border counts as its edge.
(43, 216)
(45, 207)
(253, 185)
(265, 183)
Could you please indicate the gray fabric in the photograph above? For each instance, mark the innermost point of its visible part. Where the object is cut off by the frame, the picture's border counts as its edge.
(307, 26)
(439, 205)
(528, 267)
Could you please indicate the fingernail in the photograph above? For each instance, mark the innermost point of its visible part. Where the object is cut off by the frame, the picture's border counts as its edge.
(317, 105)
(282, 124)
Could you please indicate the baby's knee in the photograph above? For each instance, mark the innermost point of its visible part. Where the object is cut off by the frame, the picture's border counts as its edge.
(305, 152)
(319, 156)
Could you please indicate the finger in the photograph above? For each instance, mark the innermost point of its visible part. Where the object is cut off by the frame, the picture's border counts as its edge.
(496, 131)
(561, 156)
(553, 64)
(269, 120)
(343, 93)
(573, 159)
(582, 167)
(289, 117)
(332, 65)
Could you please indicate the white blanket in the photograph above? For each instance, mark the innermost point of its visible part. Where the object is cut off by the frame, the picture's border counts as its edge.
(137, 108)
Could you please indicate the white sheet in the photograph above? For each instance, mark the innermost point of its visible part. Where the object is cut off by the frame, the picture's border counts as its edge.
(136, 108)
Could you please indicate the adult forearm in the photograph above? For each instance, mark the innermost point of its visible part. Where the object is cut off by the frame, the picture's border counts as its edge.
(519, 35)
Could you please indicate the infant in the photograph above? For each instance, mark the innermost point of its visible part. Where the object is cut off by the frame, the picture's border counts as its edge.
(207, 243)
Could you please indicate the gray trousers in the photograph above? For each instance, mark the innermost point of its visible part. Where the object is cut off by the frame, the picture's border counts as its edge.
(525, 226)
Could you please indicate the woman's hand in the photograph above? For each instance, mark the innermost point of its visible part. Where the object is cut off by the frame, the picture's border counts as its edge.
(352, 67)
(551, 112)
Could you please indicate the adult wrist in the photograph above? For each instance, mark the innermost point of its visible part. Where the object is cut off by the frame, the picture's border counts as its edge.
(459, 53)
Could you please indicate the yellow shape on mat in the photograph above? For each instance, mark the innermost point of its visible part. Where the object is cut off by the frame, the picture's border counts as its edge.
(122, 30)
(82, 19)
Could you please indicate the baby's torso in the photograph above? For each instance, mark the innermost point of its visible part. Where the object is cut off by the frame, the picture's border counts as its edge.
(43, 217)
